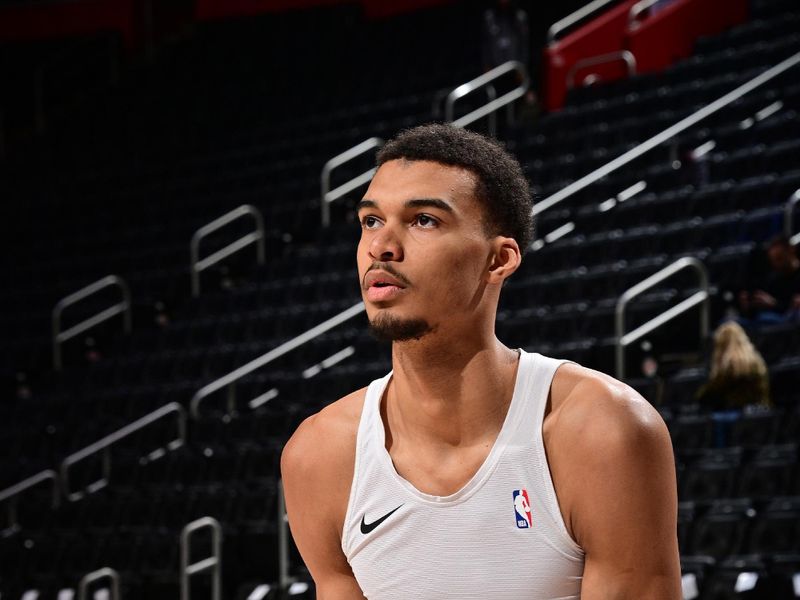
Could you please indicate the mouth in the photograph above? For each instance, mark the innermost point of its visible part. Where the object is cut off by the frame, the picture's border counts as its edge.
(383, 292)
(382, 283)
(380, 286)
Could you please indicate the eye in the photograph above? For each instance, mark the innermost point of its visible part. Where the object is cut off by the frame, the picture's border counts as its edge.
(370, 222)
(425, 221)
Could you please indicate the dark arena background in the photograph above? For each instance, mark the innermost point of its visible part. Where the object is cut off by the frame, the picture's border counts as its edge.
(177, 182)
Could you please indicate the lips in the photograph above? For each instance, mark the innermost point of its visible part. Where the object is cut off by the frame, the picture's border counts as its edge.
(381, 286)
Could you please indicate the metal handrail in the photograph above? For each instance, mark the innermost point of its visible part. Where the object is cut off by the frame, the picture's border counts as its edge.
(12, 495)
(573, 18)
(624, 55)
(482, 81)
(124, 307)
(255, 237)
(491, 94)
(549, 202)
(328, 195)
(105, 572)
(284, 578)
(625, 339)
(105, 444)
(787, 218)
(667, 134)
(636, 10)
(212, 563)
(231, 378)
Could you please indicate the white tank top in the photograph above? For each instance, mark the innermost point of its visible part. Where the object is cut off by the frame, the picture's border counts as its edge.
(501, 536)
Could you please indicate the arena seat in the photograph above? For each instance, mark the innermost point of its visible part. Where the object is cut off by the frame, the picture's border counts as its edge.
(722, 530)
(776, 529)
(175, 173)
(712, 475)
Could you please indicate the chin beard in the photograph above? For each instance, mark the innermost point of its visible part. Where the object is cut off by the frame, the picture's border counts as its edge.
(387, 328)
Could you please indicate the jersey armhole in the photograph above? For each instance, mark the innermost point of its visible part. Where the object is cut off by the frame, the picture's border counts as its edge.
(548, 485)
(354, 482)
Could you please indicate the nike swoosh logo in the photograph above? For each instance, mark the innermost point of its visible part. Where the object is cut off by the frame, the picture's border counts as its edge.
(367, 527)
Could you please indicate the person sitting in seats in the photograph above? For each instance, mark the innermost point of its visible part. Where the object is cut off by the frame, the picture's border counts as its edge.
(738, 376)
(776, 297)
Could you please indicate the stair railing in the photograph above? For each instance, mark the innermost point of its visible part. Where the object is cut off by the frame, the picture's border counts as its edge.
(228, 381)
(212, 563)
(625, 56)
(98, 575)
(123, 307)
(623, 339)
(788, 218)
(573, 18)
(255, 237)
(666, 135)
(437, 106)
(12, 494)
(539, 207)
(105, 444)
(491, 107)
(637, 10)
(328, 196)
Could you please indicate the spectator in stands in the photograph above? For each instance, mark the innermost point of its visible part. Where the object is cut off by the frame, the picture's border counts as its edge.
(738, 376)
(776, 297)
(473, 470)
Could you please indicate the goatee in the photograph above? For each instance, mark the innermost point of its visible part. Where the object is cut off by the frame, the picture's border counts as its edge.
(388, 328)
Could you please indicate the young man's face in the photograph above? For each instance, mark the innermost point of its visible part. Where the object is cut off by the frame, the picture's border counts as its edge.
(424, 252)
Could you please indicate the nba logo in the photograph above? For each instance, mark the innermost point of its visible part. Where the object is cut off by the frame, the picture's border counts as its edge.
(522, 509)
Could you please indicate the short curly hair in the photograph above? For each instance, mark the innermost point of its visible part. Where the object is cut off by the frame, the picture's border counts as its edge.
(501, 188)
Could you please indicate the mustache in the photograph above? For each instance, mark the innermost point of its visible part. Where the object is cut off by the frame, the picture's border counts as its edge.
(388, 268)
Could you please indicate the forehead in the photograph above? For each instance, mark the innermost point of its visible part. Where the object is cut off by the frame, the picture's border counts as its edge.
(400, 180)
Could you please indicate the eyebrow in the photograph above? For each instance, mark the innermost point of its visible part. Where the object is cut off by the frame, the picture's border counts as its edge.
(414, 203)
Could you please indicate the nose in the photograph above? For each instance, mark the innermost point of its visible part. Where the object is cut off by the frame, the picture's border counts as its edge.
(385, 245)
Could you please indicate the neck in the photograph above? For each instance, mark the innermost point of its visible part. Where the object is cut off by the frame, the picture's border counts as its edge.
(452, 391)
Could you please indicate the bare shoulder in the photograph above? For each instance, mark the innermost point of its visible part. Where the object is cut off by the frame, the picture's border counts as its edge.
(317, 469)
(611, 462)
(600, 412)
(317, 466)
(601, 436)
(326, 440)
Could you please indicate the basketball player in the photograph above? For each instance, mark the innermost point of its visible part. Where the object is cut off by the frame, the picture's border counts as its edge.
(473, 470)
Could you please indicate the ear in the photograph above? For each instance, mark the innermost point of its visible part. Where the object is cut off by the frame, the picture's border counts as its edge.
(506, 258)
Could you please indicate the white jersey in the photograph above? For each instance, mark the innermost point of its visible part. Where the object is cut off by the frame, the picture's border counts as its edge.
(501, 536)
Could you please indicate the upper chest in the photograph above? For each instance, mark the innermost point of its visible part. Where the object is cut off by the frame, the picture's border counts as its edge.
(439, 472)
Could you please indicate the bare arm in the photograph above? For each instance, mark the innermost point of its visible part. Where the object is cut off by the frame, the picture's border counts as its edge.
(317, 468)
(620, 494)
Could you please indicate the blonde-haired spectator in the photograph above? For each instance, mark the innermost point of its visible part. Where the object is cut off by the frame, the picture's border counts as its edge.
(738, 375)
